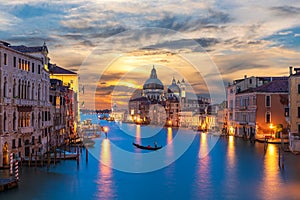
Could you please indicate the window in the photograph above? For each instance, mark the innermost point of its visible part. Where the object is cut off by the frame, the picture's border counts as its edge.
(250, 81)
(5, 88)
(19, 63)
(268, 101)
(298, 88)
(286, 112)
(298, 112)
(32, 67)
(268, 117)
(32, 140)
(20, 142)
(39, 69)
(14, 121)
(15, 61)
(4, 121)
(5, 58)
(14, 143)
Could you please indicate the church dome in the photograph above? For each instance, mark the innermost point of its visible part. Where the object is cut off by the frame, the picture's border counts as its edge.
(153, 82)
(174, 88)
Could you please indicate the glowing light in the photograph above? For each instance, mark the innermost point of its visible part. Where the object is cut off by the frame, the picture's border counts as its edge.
(104, 182)
(231, 129)
(105, 129)
(138, 134)
(170, 135)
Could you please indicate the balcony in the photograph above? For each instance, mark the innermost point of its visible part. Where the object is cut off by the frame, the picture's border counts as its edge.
(16, 101)
(7, 100)
(242, 107)
(47, 123)
(26, 129)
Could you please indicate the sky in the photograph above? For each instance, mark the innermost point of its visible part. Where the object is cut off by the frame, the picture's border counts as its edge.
(113, 44)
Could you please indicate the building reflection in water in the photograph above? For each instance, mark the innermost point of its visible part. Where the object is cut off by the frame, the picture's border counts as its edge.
(231, 154)
(203, 149)
(271, 181)
(170, 149)
(170, 170)
(204, 162)
(138, 134)
(105, 172)
(231, 167)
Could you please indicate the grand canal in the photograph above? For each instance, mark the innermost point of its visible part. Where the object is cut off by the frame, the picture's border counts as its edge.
(190, 166)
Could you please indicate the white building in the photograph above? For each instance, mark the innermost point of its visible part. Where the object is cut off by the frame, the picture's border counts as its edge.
(25, 119)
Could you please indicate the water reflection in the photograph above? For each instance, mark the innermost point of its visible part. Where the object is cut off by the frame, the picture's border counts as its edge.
(169, 142)
(105, 172)
(271, 176)
(203, 149)
(138, 134)
(204, 179)
(231, 153)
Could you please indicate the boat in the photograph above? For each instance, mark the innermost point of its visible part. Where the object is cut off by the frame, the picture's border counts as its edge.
(146, 147)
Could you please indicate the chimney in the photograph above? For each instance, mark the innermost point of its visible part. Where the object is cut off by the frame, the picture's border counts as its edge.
(245, 76)
(291, 70)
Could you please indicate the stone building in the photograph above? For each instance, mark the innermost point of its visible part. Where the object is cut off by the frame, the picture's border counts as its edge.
(25, 119)
(70, 80)
(61, 98)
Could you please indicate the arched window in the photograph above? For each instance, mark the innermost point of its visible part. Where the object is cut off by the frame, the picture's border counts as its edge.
(14, 89)
(39, 120)
(22, 90)
(4, 122)
(14, 121)
(39, 92)
(32, 91)
(5, 87)
(268, 117)
(19, 89)
(32, 119)
(28, 90)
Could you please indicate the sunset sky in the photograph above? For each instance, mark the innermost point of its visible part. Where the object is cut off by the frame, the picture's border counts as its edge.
(114, 44)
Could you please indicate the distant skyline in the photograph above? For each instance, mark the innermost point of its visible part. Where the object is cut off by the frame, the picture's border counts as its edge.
(240, 37)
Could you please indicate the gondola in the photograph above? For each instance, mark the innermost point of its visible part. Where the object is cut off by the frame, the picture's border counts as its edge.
(146, 147)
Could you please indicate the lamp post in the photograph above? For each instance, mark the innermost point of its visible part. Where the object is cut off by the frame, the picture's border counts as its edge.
(105, 129)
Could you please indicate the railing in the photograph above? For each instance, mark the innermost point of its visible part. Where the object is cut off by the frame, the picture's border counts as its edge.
(26, 129)
(7, 100)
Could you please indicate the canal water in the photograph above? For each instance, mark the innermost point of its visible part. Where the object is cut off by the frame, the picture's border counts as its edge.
(190, 165)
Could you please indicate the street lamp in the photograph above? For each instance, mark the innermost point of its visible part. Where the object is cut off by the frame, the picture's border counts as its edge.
(105, 129)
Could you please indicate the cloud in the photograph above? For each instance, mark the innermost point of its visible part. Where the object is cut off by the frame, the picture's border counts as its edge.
(286, 11)
(285, 33)
(297, 35)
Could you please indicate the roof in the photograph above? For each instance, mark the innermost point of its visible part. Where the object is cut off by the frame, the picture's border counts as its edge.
(275, 86)
(153, 82)
(25, 49)
(54, 69)
(140, 99)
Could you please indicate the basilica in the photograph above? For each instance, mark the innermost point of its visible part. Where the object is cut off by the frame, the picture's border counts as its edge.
(157, 104)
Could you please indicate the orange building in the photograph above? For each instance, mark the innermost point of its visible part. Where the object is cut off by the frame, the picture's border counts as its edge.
(260, 110)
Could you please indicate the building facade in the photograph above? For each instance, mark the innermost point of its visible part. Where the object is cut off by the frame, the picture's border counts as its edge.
(260, 110)
(25, 119)
(70, 80)
(237, 87)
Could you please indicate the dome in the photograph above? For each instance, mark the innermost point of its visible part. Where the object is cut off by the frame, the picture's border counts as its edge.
(174, 88)
(153, 82)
